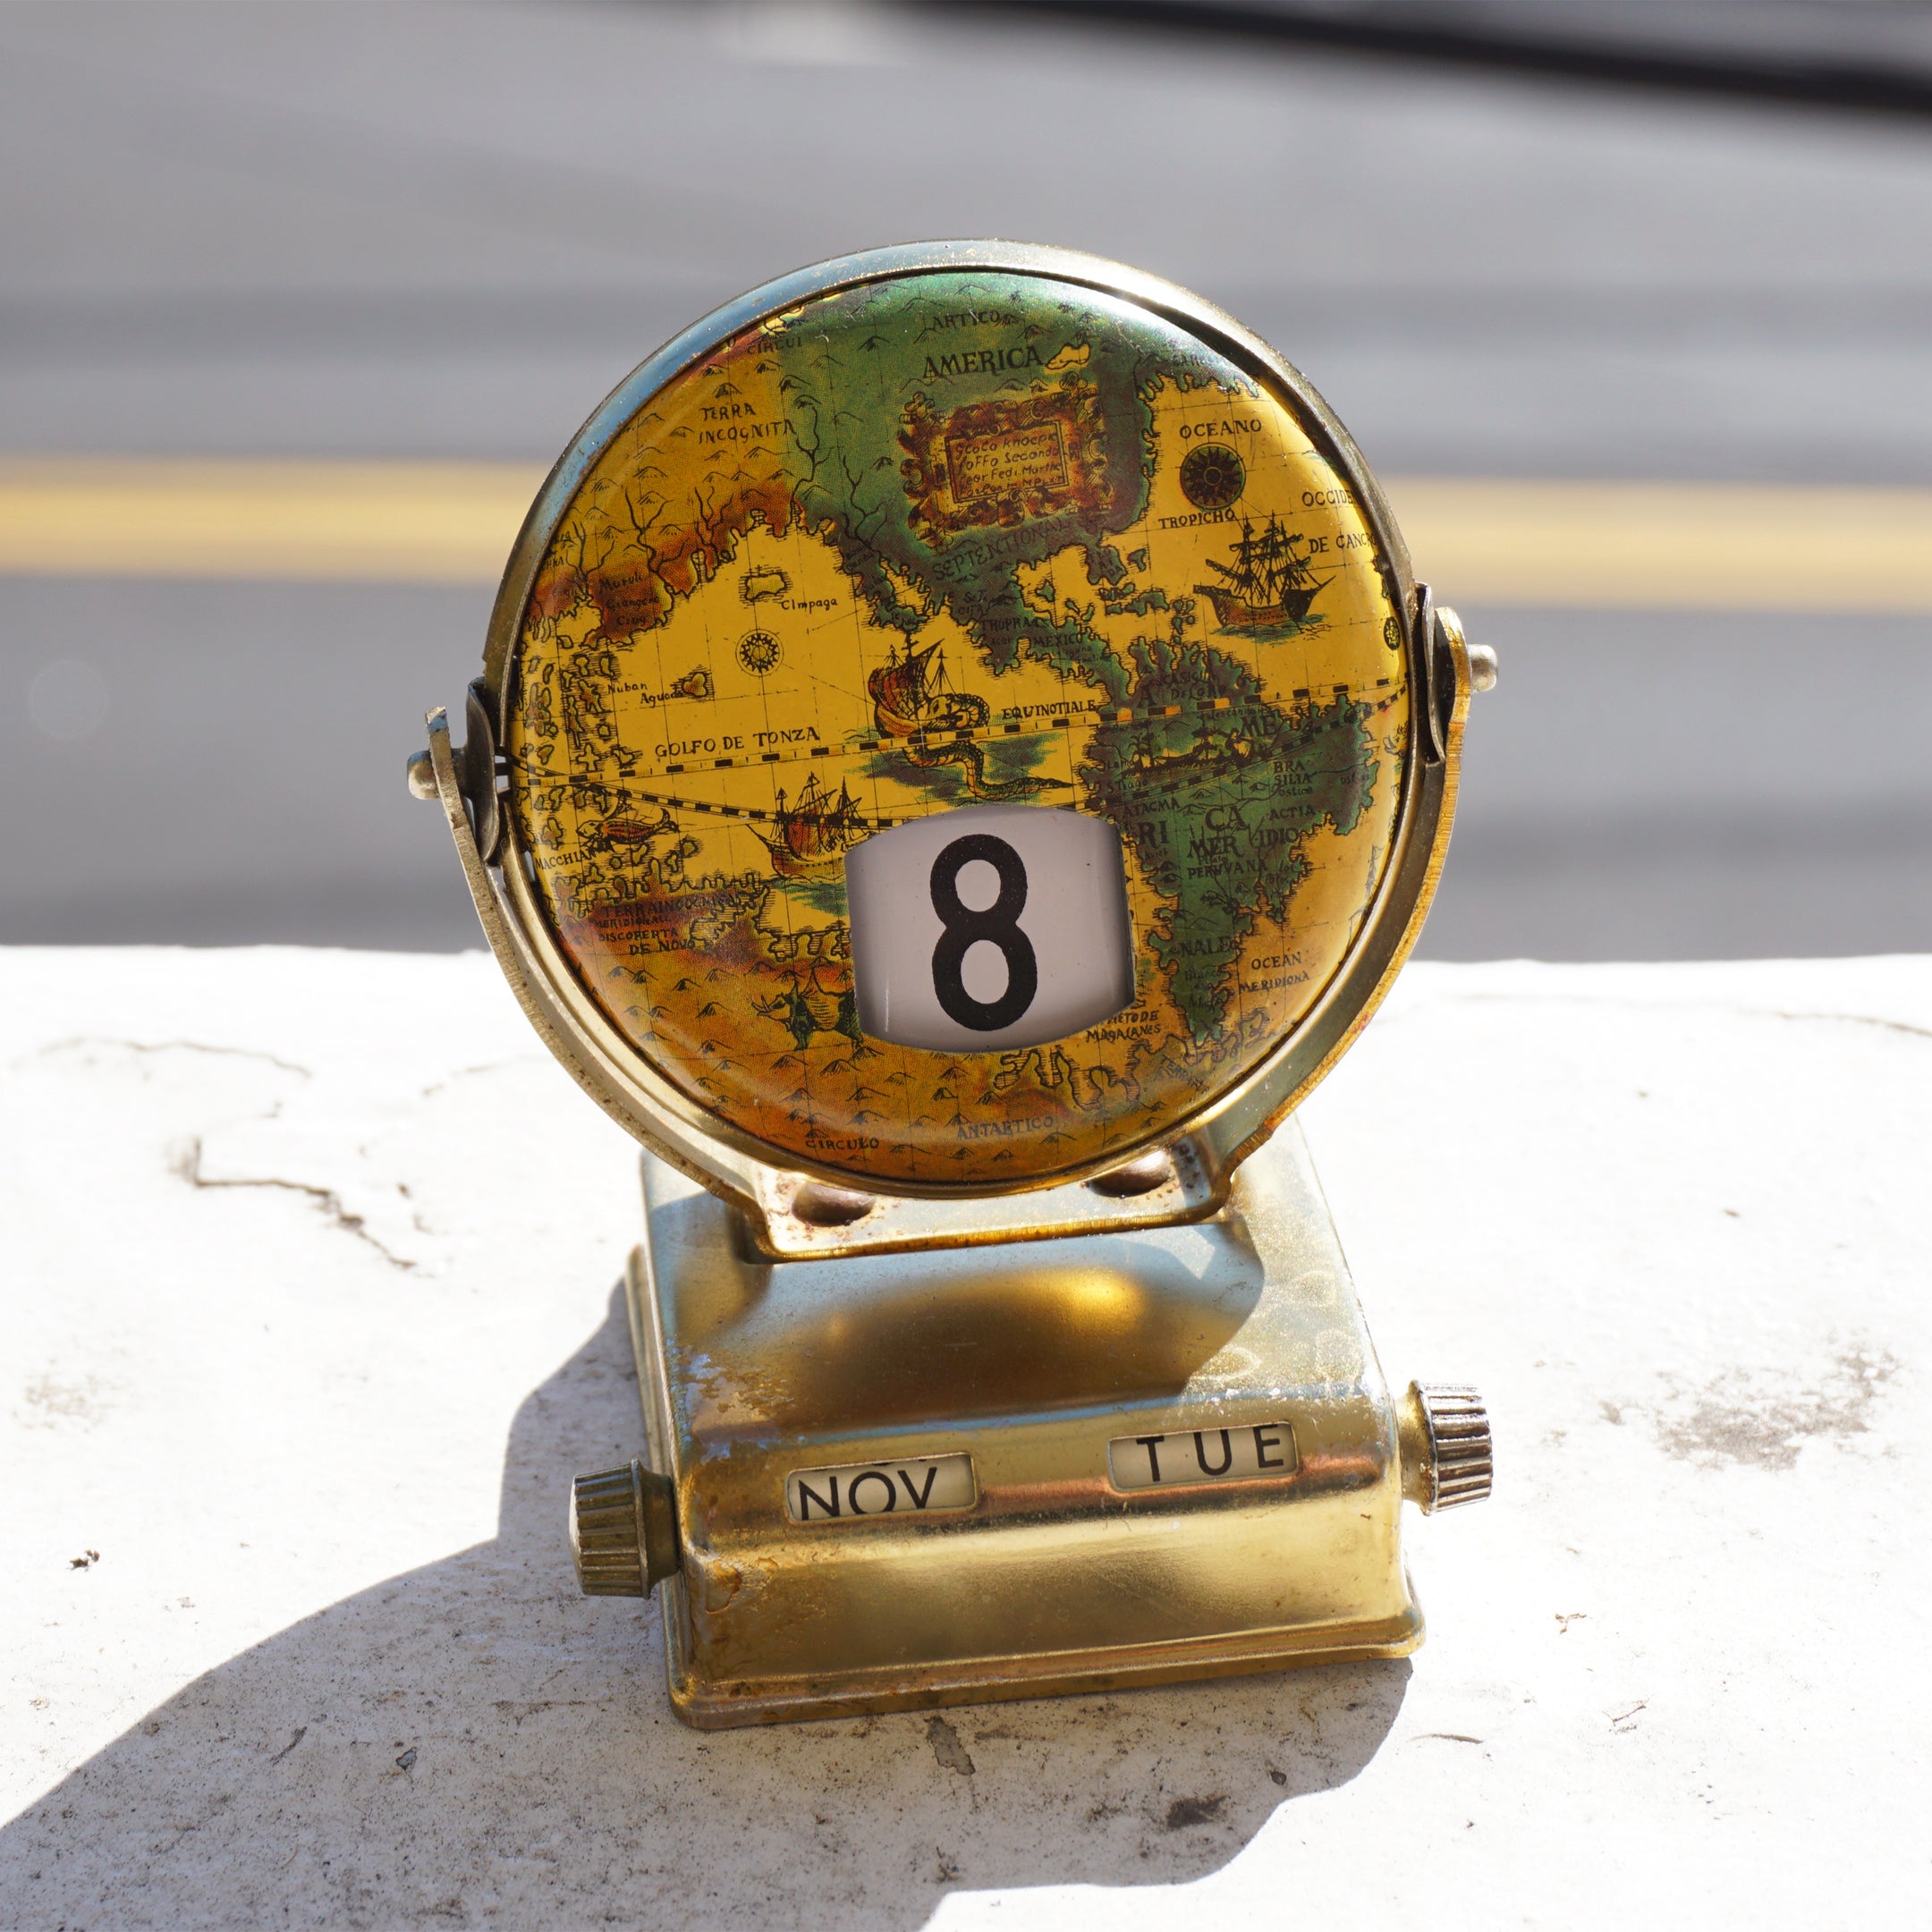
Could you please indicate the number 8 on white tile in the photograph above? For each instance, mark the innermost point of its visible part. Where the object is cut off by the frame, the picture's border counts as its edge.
(989, 927)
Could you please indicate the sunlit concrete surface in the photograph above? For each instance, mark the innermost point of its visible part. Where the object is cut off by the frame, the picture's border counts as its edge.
(311, 1259)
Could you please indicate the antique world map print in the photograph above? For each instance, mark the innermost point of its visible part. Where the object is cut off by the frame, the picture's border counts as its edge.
(940, 541)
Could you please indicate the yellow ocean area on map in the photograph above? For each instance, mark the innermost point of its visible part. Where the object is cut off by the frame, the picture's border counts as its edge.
(698, 738)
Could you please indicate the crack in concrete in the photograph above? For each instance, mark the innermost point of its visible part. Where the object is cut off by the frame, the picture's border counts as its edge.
(160, 1046)
(473, 1072)
(188, 1165)
(183, 1831)
(189, 1168)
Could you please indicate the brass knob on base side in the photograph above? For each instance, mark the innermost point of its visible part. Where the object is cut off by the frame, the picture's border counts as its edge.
(1444, 1431)
(623, 1531)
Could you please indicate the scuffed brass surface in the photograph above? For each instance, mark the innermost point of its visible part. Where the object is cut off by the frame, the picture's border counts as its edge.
(1030, 1359)
(899, 1223)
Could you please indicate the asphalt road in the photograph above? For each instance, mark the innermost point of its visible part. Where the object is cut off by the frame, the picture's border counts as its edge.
(448, 230)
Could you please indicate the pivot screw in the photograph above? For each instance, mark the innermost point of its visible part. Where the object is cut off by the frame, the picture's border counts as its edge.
(422, 782)
(1444, 1431)
(1482, 667)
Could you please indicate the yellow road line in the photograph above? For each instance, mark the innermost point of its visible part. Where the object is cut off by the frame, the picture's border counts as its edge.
(383, 522)
(1669, 545)
(1482, 542)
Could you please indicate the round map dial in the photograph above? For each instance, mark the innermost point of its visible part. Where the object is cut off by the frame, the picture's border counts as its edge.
(929, 545)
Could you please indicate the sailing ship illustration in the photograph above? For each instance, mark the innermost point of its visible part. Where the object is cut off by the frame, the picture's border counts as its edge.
(817, 829)
(913, 691)
(913, 697)
(1268, 585)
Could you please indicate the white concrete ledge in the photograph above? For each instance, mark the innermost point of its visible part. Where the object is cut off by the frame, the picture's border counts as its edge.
(308, 1263)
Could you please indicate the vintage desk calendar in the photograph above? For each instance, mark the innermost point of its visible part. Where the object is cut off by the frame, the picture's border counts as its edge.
(960, 754)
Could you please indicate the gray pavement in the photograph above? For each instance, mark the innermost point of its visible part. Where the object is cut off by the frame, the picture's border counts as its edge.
(428, 230)
(1651, 785)
(1868, 52)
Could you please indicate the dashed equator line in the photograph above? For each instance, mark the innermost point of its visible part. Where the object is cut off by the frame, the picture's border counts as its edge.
(915, 742)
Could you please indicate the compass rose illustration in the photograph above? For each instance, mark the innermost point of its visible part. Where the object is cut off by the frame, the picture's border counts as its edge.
(758, 651)
(1212, 476)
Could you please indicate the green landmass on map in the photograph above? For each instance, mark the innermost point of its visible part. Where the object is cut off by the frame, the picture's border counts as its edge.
(1216, 806)
(852, 370)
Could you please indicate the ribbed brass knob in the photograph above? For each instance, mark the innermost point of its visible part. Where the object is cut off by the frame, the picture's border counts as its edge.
(1445, 1445)
(623, 1531)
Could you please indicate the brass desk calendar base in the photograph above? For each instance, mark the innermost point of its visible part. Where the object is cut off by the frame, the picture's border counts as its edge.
(1009, 1471)
(961, 753)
